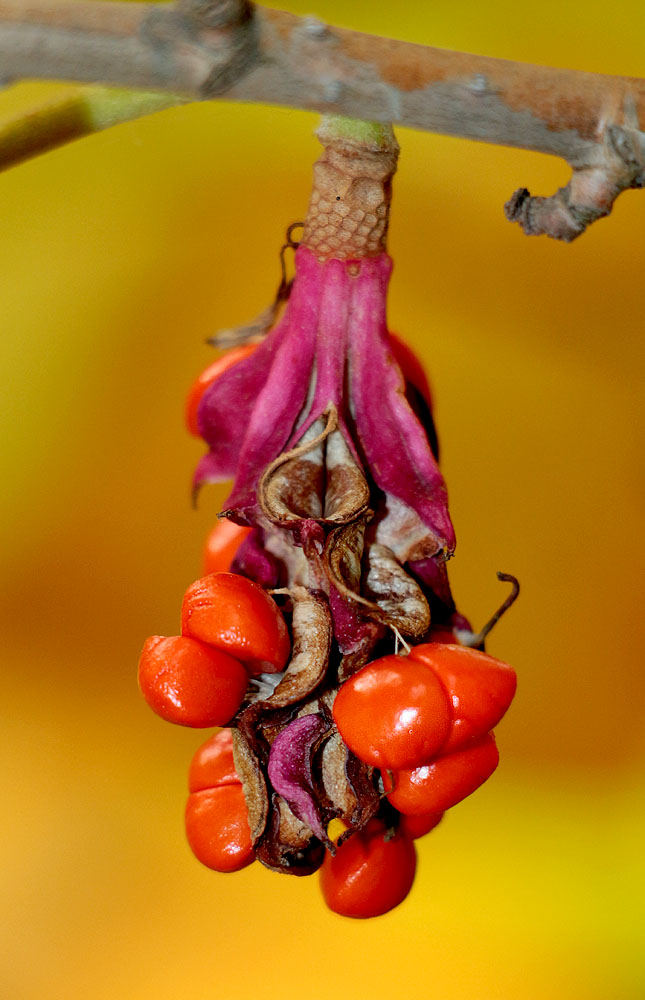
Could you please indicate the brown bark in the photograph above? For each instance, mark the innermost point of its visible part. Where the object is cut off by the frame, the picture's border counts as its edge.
(203, 49)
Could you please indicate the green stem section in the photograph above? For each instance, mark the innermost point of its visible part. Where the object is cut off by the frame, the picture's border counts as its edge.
(373, 136)
(35, 116)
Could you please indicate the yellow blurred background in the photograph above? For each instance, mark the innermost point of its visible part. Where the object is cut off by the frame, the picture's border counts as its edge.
(119, 255)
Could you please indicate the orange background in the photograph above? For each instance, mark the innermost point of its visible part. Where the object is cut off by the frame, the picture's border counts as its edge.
(119, 255)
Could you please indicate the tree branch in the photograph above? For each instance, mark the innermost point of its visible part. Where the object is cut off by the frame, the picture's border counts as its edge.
(202, 49)
(41, 117)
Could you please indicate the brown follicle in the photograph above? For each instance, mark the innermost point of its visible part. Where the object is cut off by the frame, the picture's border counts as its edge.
(351, 663)
(350, 201)
(288, 845)
(334, 778)
(388, 594)
(316, 480)
(402, 530)
(290, 487)
(401, 602)
(294, 833)
(342, 558)
(312, 635)
(253, 785)
(360, 777)
(349, 785)
(347, 494)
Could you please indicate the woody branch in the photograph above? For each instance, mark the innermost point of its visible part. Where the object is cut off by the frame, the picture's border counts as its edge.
(205, 49)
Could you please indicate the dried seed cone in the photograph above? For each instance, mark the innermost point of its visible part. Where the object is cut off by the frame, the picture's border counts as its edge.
(352, 188)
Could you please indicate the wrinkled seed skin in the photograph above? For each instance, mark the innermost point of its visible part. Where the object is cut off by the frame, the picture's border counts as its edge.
(393, 713)
(235, 615)
(480, 688)
(369, 875)
(213, 765)
(418, 826)
(446, 781)
(217, 828)
(189, 683)
(221, 546)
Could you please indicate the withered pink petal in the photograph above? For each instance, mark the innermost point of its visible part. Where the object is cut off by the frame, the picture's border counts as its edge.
(411, 367)
(330, 348)
(393, 441)
(290, 769)
(253, 561)
(417, 388)
(214, 467)
(350, 627)
(284, 393)
(432, 572)
(423, 413)
(226, 406)
(331, 328)
(434, 575)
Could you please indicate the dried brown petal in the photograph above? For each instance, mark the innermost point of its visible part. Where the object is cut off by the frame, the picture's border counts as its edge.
(288, 846)
(249, 333)
(291, 486)
(259, 725)
(347, 781)
(334, 778)
(399, 598)
(352, 662)
(294, 832)
(402, 530)
(312, 635)
(317, 480)
(253, 785)
(389, 595)
(301, 567)
(347, 494)
(342, 558)
(361, 779)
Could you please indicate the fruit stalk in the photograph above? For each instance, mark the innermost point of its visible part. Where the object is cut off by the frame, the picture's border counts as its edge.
(349, 207)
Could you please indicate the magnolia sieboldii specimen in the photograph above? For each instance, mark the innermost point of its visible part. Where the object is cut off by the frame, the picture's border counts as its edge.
(333, 456)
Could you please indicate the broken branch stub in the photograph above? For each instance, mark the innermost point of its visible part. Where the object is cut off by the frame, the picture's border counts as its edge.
(616, 165)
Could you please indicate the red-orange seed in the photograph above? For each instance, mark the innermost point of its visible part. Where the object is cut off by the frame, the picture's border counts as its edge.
(189, 683)
(236, 616)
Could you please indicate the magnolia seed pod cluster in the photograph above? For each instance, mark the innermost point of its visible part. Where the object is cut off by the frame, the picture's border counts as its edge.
(357, 702)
